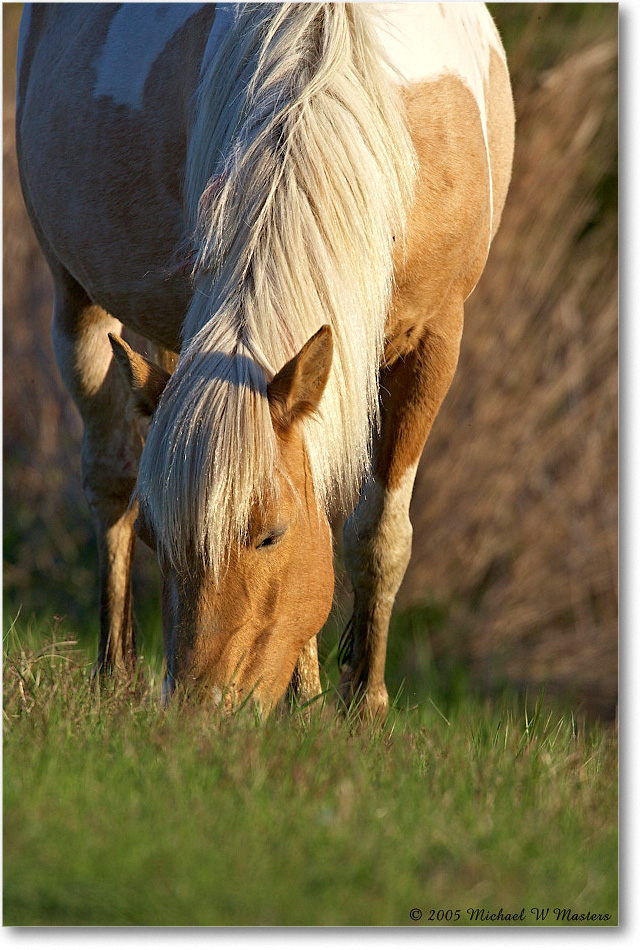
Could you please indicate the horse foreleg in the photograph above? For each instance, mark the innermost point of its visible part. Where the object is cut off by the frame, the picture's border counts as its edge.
(110, 453)
(377, 538)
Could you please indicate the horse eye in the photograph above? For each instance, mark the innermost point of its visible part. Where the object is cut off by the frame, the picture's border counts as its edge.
(268, 540)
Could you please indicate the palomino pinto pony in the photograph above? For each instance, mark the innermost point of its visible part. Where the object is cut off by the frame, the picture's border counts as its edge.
(294, 200)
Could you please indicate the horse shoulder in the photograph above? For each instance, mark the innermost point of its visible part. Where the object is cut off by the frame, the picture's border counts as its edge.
(463, 141)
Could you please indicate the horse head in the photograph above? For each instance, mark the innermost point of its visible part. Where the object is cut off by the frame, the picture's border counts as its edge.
(239, 631)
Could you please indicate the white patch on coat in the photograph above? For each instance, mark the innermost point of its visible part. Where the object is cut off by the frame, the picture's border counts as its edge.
(138, 34)
(377, 537)
(424, 41)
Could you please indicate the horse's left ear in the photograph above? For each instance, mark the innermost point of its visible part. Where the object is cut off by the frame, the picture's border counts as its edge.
(145, 379)
(296, 390)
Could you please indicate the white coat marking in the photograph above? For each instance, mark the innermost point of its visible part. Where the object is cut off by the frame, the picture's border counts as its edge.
(425, 41)
(422, 41)
(137, 35)
(378, 536)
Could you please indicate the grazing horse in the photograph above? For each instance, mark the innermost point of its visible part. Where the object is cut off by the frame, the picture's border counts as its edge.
(291, 203)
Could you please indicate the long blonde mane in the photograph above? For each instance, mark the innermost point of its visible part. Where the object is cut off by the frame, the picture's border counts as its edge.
(298, 172)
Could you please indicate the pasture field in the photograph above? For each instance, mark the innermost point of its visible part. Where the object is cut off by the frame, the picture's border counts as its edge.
(116, 813)
(517, 489)
(472, 799)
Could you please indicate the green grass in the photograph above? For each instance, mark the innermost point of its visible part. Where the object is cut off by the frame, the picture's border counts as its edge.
(116, 813)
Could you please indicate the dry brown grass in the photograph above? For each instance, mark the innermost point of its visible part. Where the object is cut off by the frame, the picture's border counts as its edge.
(515, 509)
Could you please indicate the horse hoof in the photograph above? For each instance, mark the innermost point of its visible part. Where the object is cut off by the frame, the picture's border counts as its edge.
(367, 703)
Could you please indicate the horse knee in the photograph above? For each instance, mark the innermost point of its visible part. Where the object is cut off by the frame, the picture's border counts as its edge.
(109, 467)
(377, 537)
(107, 490)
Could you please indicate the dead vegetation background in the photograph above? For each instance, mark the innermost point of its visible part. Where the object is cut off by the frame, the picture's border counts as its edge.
(515, 507)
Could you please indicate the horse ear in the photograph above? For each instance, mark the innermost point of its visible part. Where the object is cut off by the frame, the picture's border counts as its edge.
(296, 390)
(145, 379)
